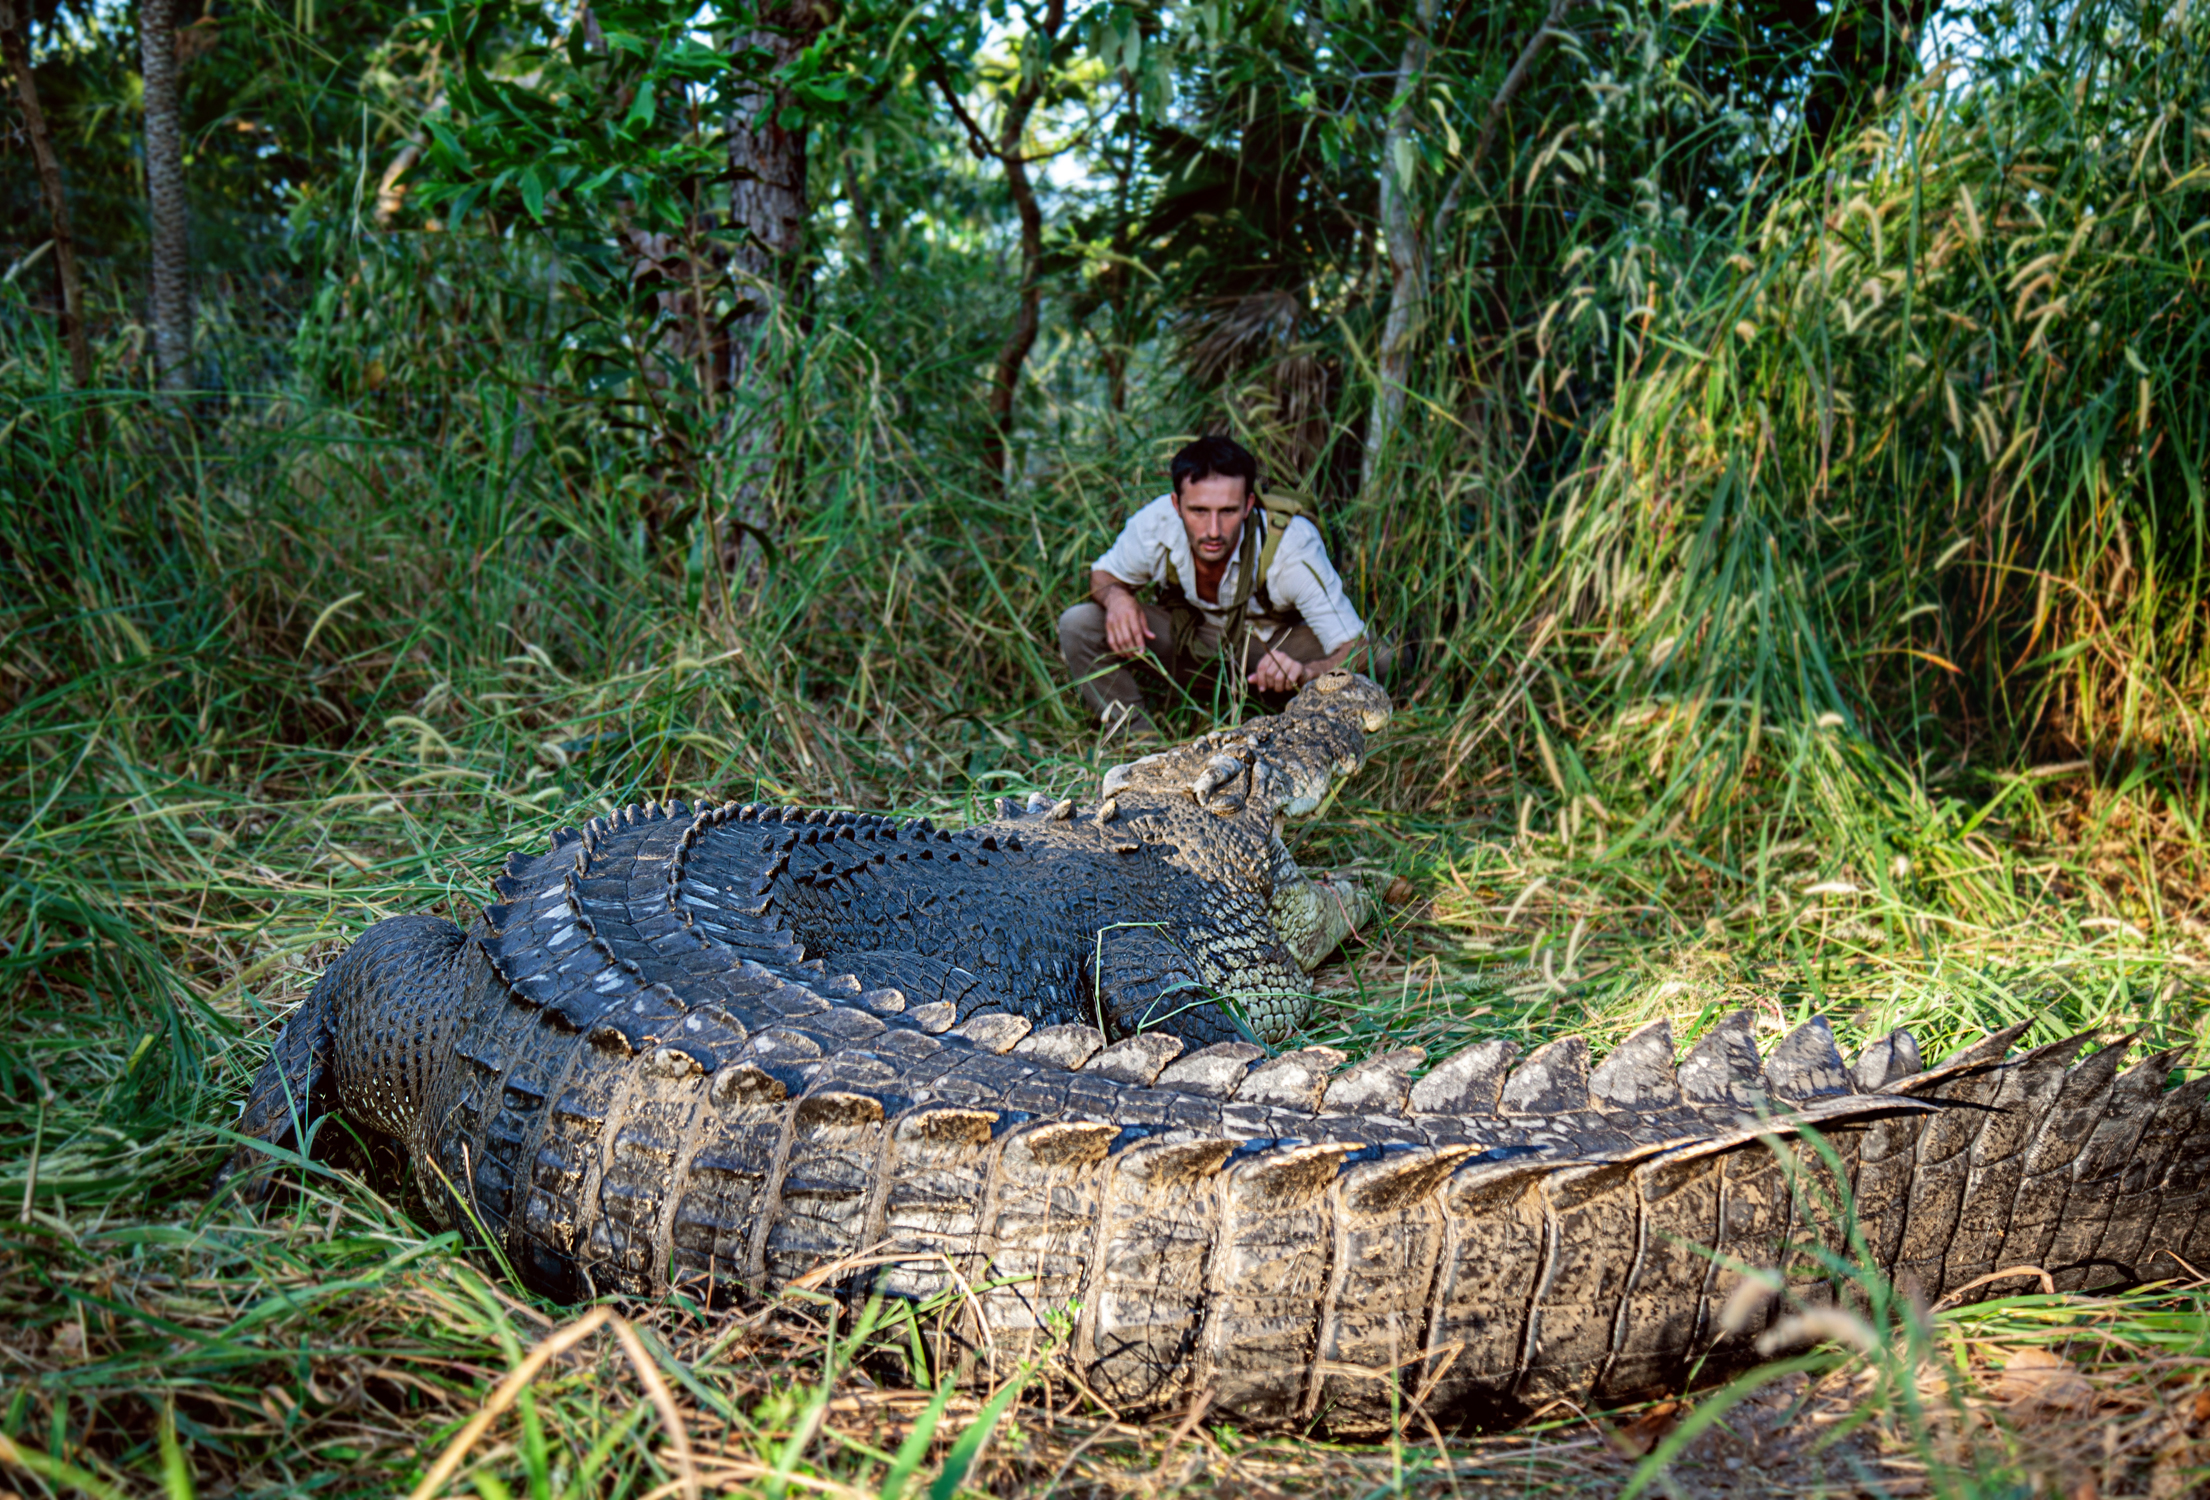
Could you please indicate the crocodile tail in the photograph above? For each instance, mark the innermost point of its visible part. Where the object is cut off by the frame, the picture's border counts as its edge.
(1322, 1273)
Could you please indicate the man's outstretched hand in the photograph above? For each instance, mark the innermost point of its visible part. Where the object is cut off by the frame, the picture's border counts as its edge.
(1126, 630)
(1279, 672)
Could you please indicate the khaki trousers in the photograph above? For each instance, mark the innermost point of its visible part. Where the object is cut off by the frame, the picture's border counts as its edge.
(1108, 679)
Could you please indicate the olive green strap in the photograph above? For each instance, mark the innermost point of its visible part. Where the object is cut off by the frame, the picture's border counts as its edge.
(1232, 628)
(1187, 618)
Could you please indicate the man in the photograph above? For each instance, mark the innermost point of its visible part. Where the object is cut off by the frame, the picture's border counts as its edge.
(1280, 630)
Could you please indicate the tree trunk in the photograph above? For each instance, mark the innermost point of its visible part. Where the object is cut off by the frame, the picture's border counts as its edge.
(1119, 286)
(767, 192)
(767, 205)
(1407, 252)
(172, 290)
(1007, 149)
(15, 53)
(1005, 379)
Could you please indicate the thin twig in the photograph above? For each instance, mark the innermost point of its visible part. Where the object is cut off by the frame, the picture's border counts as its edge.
(1514, 81)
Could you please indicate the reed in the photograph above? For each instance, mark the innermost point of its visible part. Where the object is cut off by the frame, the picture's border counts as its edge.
(1802, 611)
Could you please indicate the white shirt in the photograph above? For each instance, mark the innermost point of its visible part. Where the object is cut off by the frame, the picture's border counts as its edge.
(1302, 583)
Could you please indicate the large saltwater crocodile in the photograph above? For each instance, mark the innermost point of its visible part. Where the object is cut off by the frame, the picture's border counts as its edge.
(721, 1049)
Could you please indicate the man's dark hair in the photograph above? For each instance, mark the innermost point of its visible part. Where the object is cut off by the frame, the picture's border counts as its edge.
(1210, 456)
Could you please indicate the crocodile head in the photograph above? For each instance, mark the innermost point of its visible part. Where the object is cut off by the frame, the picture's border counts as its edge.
(1323, 739)
(1280, 766)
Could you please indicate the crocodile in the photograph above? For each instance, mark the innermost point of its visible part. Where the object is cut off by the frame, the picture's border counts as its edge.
(624, 1083)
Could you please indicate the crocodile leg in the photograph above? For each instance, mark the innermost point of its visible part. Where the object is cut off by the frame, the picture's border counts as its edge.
(1145, 981)
(1314, 915)
(375, 1029)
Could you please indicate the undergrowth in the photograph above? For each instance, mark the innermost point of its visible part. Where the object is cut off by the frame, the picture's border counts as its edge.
(1845, 659)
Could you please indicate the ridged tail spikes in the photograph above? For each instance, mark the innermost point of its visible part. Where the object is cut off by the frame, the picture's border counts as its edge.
(994, 1031)
(1217, 1071)
(1381, 1085)
(1469, 1083)
(1889, 1059)
(1806, 1065)
(1067, 1046)
(1136, 1060)
(1294, 1080)
(1638, 1075)
(1724, 1068)
(1552, 1081)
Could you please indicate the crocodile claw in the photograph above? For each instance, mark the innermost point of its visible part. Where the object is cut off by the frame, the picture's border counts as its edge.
(1218, 772)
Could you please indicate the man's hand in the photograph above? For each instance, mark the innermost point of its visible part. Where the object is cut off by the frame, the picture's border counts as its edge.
(1126, 629)
(1279, 672)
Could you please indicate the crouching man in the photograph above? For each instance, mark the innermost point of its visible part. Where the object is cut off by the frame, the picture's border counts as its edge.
(1242, 588)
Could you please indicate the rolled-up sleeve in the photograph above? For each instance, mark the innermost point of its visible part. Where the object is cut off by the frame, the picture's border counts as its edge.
(1303, 579)
(1136, 555)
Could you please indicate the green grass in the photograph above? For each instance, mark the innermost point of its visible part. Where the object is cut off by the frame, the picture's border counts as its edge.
(1849, 664)
(335, 1347)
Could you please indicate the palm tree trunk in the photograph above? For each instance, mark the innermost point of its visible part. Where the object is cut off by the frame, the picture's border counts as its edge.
(15, 53)
(172, 289)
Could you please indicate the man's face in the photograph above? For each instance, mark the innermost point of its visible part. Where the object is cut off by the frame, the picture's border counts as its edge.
(1212, 512)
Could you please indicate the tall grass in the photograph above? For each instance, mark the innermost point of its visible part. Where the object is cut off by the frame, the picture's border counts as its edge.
(1803, 613)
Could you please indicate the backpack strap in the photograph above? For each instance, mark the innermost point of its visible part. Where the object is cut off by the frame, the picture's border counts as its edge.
(1173, 597)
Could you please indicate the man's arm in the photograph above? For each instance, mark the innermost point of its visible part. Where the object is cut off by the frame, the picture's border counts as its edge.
(1126, 630)
(1303, 579)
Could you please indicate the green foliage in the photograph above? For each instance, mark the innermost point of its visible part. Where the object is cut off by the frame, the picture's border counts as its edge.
(1799, 563)
(572, 132)
(278, 108)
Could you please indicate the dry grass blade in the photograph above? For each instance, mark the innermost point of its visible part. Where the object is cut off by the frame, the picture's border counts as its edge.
(648, 1375)
(547, 1349)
